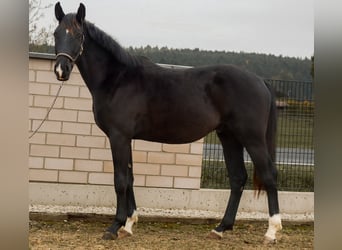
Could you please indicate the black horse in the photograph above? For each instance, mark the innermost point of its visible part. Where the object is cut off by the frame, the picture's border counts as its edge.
(134, 98)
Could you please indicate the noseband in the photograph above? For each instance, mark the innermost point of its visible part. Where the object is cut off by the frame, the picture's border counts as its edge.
(69, 56)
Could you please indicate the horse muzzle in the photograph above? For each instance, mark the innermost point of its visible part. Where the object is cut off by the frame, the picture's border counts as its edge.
(63, 69)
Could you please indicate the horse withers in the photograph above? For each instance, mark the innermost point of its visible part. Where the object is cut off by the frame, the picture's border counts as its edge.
(134, 98)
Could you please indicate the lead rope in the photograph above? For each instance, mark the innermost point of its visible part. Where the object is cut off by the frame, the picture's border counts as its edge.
(47, 114)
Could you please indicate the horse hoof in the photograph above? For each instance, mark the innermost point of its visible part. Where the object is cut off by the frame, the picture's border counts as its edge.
(269, 241)
(215, 235)
(109, 236)
(123, 234)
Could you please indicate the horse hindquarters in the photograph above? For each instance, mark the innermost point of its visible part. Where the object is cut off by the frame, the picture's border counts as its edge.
(252, 125)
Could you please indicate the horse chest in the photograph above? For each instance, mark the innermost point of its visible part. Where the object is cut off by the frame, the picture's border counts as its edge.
(112, 117)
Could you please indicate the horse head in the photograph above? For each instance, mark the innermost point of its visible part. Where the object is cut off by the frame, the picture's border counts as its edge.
(69, 40)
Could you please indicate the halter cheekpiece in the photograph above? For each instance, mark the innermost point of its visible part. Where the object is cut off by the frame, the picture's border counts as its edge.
(69, 56)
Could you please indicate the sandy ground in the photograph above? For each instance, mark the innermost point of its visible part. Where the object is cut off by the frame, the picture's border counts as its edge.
(66, 227)
(82, 234)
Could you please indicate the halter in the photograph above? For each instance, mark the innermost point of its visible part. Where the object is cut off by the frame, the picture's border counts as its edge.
(73, 60)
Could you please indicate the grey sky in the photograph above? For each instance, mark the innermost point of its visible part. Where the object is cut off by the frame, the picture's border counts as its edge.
(279, 27)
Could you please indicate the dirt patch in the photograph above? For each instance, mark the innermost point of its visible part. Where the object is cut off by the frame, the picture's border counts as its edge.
(86, 234)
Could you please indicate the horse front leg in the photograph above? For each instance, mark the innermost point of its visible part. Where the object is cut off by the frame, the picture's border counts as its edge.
(121, 151)
(132, 215)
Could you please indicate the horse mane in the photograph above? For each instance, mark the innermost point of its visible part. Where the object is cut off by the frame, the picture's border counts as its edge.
(112, 46)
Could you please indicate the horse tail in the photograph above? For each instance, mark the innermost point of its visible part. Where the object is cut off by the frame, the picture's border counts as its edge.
(270, 137)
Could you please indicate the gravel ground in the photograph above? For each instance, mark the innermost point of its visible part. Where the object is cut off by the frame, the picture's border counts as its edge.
(167, 213)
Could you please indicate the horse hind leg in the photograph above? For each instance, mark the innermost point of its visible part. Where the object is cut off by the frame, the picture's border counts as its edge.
(233, 154)
(266, 173)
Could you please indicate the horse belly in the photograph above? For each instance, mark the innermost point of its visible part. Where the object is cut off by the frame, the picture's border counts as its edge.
(181, 127)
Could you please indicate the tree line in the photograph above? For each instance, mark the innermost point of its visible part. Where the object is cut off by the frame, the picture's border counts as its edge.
(265, 65)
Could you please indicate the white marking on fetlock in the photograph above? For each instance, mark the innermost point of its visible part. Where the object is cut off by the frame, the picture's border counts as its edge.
(59, 70)
(220, 234)
(274, 225)
(130, 221)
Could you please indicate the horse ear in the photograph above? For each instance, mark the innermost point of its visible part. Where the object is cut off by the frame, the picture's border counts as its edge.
(80, 13)
(59, 13)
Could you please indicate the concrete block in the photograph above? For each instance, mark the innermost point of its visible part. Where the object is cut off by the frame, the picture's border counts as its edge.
(61, 139)
(196, 148)
(146, 169)
(160, 157)
(36, 162)
(86, 116)
(147, 146)
(100, 154)
(44, 150)
(84, 92)
(195, 171)
(37, 113)
(73, 177)
(39, 88)
(66, 90)
(63, 115)
(74, 152)
(76, 79)
(38, 138)
(88, 165)
(46, 76)
(187, 159)
(108, 167)
(139, 156)
(95, 130)
(90, 141)
(39, 64)
(187, 183)
(174, 170)
(47, 101)
(47, 126)
(176, 148)
(159, 181)
(76, 128)
(78, 104)
(101, 178)
(59, 164)
(139, 180)
(43, 175)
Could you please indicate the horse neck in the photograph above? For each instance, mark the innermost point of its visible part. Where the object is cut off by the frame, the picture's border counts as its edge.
(96, 64)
